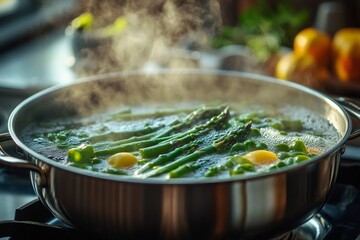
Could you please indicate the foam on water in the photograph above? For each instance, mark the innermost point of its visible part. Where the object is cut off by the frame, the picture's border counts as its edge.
(312, 122)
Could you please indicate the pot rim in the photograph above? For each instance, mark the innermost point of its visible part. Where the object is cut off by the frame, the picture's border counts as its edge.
(163, 181)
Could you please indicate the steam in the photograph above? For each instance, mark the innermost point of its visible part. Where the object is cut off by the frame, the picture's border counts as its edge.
(153, 29)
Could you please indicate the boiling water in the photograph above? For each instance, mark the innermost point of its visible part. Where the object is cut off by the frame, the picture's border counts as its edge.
(325, 138)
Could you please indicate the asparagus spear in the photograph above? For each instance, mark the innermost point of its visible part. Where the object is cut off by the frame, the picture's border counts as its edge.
(186, 137)
(192, 118)
(164, 158)
(220, 145)
(123, 134)
(157, 114)
(128, 147)
(127, 140)
(133, 146)
(183, 169)
(152, 133)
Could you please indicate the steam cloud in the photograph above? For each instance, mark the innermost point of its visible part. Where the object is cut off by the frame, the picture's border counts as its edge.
(153, 28)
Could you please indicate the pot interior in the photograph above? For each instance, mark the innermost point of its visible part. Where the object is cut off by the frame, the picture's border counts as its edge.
(101, 93)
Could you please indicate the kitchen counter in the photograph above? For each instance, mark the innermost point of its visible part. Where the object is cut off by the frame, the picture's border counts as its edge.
(38, 64)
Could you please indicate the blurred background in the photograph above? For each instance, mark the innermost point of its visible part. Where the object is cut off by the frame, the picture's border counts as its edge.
(46, 42)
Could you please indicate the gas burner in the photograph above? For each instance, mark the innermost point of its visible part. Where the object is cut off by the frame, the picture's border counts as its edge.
(315, 229)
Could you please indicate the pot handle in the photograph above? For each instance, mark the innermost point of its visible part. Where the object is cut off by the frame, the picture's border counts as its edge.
(10, 161)
(353, 108)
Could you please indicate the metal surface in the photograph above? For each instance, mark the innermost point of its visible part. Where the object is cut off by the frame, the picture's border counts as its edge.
(354, 110)
(246, 207)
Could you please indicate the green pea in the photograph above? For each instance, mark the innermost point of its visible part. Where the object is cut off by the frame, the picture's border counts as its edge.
(299, 146)
(81, 154)
(212, 171)
(255, 132)
(248, 167)
(237, 147)
(246, 118)
(51, 136)
(273, 167)
(283, 155)
(62, 136)
(301, 158)
(277, 125)
(261, 146)
(237, 171)
(62, 145)
(282, 147)
(240, 160)
(250, 145)
(281, 164)
(292, 125)
(230, 163)
(289, 161)
(222, 167)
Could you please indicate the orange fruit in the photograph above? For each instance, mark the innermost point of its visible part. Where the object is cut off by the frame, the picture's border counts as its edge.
(346, 54)
(301, 68)
(315, 43)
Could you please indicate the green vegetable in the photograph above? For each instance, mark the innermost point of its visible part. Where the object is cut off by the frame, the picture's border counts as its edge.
(237, 171)
(188, 136)
(248, 167)
(240, 160)
(255, 132)
(114, 171)
(264, 28)
(292, 125)
(81, 154)
(220, 145)
(212, 171)
(123, 134)
(283, 155)
(129, 147)
(164, 158)
(182, 170)
(282, 147)
(250, 145)
(211, 138)
(237, 147)
(301, 158)
(83, 22)
(192, 118)
(299, 146)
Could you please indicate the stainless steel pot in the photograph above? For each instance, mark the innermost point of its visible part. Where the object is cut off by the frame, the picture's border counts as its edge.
(265, 205)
